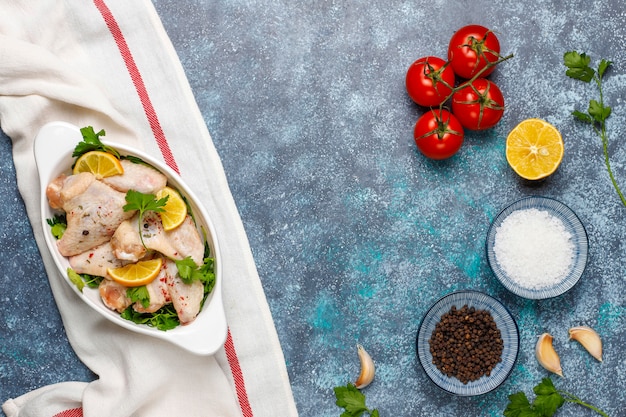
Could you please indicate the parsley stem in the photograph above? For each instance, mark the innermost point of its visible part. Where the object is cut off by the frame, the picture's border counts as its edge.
(574, 399)
(605, 142)
(605, 147)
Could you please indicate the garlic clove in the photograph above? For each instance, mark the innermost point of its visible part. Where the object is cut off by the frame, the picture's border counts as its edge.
(546, 355)
(590, 340)
(367, 368)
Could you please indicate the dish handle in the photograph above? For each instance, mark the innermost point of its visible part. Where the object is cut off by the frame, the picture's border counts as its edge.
(50, 156)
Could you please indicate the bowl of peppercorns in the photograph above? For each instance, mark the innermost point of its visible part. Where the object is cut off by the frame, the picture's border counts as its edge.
(467, 343)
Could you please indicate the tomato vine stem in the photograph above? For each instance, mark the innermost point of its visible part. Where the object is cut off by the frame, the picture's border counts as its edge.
(476, 76)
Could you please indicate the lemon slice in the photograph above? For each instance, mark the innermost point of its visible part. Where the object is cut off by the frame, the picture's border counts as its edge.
(137, 274)
(101, 164)
(175, 210)
(534, 149)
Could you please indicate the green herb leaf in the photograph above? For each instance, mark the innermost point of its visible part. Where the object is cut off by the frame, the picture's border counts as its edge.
(80, 280)
(189, 271)
(519, 406)
(548, 398)
(163, 319)
(91, 142)
(578, 66)
(75, 279)
(92, 281)
(186, 268)
(547, 401)
(139, 294)
(207, 276)
(206, 273)
(573, 59)
(598, 111)
(57, 224)
(352, 401)
(143, 202)
(583, 117)
(603, 66)
(135, 160)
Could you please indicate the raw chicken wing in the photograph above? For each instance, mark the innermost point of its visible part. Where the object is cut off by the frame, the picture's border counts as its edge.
(138, 177)
(114, 295)
(96, 261)
(185, 297)
(93, 210)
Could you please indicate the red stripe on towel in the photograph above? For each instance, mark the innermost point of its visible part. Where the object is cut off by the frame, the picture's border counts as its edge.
(135, 75)
(74, 412)
(235, 370)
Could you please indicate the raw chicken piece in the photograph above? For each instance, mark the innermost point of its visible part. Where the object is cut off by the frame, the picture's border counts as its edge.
(138, 177)
(93, 210)
(185, 297)
(186, 241)
(114, 295)
(96, 261)
(126, 243)
(176, 244)
(66, 187)
(158, 291)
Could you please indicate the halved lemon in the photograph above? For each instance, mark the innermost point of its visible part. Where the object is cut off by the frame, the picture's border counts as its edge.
(137, 274)
(101, 164)
(534, 149)
(175, 210)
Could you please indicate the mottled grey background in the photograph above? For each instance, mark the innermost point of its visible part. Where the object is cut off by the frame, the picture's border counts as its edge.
(354, 233)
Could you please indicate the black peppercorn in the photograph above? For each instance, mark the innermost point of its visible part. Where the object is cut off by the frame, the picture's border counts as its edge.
(466, 344)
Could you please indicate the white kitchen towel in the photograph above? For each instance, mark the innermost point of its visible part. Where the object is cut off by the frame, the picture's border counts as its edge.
(110, 64)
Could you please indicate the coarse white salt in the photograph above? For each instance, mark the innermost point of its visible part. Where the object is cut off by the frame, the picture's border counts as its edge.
(534, 248)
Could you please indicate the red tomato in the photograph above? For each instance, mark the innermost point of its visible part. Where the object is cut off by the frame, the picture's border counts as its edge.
(471, 49)
(478, 105)
(429, 81)
(438, 134)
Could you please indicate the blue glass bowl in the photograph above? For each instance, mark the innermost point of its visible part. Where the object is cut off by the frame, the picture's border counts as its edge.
(508, 329)
(579, 238)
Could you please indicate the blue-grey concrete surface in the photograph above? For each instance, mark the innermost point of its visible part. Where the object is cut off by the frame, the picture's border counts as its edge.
(354, 233)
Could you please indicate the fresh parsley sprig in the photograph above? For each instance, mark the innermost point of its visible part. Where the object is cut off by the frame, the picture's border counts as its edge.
(547, 401)
(352, 401)
(80, 280)
(143, 203)
(75, 279)
(91, 142)
(163, 319)
(578, 68)
(139, 294)
(58, 225)
(189, 271)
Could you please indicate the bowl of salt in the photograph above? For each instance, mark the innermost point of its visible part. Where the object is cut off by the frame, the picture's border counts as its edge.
(537, 247)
